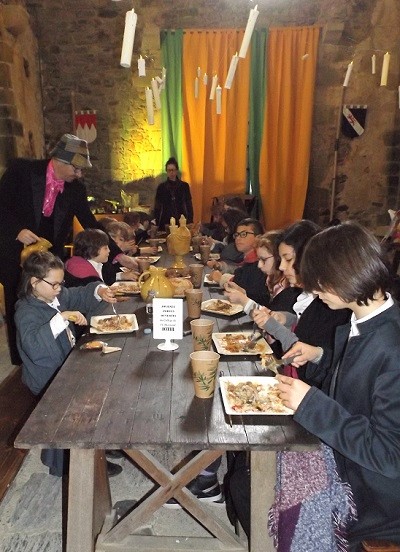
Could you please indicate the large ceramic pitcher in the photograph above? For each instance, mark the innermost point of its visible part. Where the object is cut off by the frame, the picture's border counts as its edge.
(156, 280)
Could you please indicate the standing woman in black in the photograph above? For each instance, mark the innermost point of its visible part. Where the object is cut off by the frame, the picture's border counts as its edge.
(173, 197)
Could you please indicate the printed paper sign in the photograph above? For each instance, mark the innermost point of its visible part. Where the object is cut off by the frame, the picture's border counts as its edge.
(167, 318)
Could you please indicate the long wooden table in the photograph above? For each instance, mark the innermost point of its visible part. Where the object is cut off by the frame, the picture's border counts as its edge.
(142, 400)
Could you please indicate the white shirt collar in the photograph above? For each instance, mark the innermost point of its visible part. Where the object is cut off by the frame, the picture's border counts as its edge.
(354, 321)
(97, 266)
(54, 304)
(303, 301)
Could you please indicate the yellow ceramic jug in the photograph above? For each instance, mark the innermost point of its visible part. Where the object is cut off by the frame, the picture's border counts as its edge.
(156, 281)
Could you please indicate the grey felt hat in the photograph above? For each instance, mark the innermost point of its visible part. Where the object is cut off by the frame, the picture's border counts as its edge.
(73, 151)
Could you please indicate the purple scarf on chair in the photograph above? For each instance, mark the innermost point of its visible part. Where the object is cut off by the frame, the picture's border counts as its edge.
(312, 505)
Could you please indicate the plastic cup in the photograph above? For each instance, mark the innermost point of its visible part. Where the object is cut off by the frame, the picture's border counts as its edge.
(204, 372)
(194, 298)
(196, 273)
(205, 253)
(202, 329)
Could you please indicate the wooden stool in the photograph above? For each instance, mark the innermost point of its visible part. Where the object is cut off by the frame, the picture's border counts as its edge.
(380, 546)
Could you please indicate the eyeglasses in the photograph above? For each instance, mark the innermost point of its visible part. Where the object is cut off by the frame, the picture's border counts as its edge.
(265, 259)
(243, 234)
(54, 285)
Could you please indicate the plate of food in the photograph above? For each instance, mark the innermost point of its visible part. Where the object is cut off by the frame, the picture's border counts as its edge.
(252, 395)
(213, 256)
(107, 324)
(125, 288)
(221, 306)
(208, 281)
(152, 259)
(235, 343)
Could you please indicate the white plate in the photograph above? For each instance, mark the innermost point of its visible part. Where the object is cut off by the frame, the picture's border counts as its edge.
(211, 306)
(151, 258)
(220, 342)
(131, 318)
(208, 281)
(266, 383)
(213, 256)
(160, 240)
(125, 288)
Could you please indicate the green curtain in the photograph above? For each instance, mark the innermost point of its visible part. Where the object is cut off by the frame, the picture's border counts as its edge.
(171, 97)
(257, 102)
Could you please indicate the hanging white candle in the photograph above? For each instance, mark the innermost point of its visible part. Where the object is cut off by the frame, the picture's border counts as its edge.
(348, 73)
(205, 79)
(149, 106)
(373, 64)
(129, 37)
(232, 71)
(198, 72)
(213, 87)
(196, 87)
(164, 78)
(399, 97)
(141, 67)
(254, 13)
(156, 93)
(385, 69)
(218, 98)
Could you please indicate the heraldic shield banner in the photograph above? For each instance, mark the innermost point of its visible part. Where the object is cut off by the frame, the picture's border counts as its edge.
(85, 125)
(353, 120)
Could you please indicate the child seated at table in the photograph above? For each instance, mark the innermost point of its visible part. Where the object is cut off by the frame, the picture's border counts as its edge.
(124, 237)
(247, 275)
(358, 414)
(91, 262)
(45, 335)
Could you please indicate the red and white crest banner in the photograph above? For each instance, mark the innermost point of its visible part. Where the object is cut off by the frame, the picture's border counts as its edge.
(85, 125)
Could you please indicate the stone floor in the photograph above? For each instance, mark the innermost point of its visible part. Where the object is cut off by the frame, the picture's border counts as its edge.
(30, 513)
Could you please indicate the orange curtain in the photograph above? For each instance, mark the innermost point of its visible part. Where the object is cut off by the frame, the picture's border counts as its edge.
(285, 152)
(214, 147)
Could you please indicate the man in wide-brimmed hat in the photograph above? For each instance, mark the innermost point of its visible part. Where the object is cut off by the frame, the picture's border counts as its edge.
(38, 199)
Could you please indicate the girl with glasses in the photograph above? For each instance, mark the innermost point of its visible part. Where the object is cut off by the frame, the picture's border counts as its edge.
(45, 335)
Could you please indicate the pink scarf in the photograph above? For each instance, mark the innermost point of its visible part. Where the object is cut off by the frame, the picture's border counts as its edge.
(53, 188)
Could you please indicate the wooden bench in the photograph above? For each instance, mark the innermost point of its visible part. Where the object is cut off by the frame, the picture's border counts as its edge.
(380, 546)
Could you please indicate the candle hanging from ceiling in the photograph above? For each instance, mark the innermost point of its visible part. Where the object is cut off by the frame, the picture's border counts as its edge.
(254, 13)
(205, 79)
(141, 67)
(385, 69)
(348, 73)
(373, 64)
(149, 106)
(213, 87)
(218, 98)
(156, 93)
(231, 71)
(129, 37)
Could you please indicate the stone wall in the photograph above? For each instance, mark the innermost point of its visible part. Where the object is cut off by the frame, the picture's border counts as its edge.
(80, 44)
(21, 119)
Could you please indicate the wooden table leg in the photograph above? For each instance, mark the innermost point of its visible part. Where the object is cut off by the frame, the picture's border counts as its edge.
(89, 499)
(263, 478)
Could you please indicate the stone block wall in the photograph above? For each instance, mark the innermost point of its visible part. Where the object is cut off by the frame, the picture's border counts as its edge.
(21, 119)
(80, 45)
